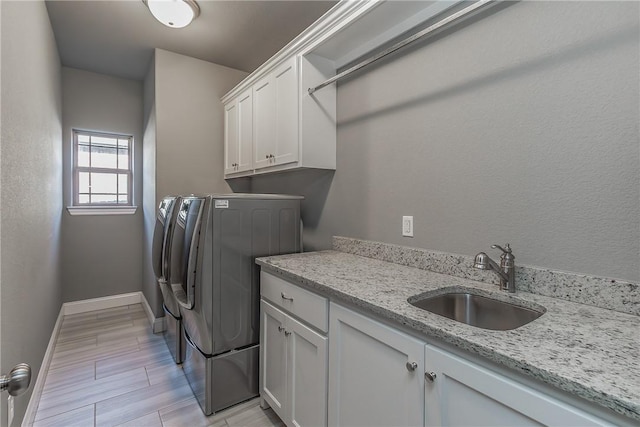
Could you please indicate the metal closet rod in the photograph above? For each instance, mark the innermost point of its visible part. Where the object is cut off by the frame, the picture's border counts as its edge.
(430, 29)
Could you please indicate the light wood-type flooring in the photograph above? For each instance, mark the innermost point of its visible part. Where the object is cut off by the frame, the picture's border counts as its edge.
(108, 369)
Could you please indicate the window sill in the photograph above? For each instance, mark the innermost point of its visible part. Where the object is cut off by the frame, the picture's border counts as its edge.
(102, 210)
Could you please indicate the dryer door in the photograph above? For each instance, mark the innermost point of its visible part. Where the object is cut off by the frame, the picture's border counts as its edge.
(184, 250)
(163, 218)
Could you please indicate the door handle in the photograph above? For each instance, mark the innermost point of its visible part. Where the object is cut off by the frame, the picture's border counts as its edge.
(17, 382)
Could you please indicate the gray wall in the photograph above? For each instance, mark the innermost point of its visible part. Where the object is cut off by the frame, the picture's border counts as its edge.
(190, 123)
(149, 286)
(101, 254)
(520, 128)
(187, 144)
(31, 199)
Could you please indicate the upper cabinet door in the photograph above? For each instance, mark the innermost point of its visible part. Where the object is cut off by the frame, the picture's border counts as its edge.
(286, 88)
(230, 137)
(276, 117)
(264, 119)
(245, 131)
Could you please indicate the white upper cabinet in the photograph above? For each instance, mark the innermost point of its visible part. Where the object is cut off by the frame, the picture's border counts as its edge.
(288, 127)
(245, 131)
(285, 79)
(238, 134)
(275, 117)
(230, 137)
(275, 120)
(264, 98)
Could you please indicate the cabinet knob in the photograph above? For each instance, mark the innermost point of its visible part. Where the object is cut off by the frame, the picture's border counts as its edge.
(430, 376)
(412, 366)
(287, 333)
(267, 156)
(284, 296)
(280, 329)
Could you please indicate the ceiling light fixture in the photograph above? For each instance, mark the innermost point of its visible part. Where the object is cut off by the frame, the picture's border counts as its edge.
(174, 13)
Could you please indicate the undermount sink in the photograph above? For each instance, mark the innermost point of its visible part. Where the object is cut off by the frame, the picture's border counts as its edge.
(477, 310)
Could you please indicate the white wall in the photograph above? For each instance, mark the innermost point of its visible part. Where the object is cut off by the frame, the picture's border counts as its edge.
(101, 254)
(31, 200)
(188, 142)
(521, 127)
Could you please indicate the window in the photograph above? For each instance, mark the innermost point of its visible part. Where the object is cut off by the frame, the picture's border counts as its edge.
(102, 173)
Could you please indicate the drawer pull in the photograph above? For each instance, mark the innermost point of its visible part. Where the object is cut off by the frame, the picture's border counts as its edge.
(284, 296)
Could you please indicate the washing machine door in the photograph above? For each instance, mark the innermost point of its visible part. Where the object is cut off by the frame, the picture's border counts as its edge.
(184, 250)
(160, 233)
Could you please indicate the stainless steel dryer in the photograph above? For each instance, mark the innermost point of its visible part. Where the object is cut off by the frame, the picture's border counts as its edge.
(217, 287)
(165, 220)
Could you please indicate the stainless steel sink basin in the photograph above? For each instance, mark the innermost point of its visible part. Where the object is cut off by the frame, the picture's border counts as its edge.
(476, 310)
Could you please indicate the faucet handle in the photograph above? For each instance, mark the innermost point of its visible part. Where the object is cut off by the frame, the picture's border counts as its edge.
(507, 258)
(506, 251)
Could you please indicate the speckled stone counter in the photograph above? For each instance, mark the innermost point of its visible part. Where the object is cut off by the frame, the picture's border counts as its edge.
(587, 351)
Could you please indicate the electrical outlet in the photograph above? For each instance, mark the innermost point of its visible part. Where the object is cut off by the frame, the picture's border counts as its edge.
(407, 226)
(10, 410)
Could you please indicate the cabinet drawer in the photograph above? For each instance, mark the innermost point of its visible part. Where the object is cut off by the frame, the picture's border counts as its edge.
(311, 308)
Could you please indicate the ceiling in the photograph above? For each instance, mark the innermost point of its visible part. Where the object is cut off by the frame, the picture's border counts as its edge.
(118, 37)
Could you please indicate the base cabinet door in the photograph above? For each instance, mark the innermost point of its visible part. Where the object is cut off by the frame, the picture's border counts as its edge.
(273, 360)
(293, 369)
(307, 375)
(465, 394)
(376, 373)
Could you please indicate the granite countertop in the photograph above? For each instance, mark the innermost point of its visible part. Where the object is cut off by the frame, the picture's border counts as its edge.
(587, 351)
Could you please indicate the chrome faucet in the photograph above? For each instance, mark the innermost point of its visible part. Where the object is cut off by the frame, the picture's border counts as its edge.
(506, 270)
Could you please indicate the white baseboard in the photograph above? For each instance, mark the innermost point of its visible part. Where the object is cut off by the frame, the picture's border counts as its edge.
(76, 307)
(157, 324)
(32, 406)
(102, 303)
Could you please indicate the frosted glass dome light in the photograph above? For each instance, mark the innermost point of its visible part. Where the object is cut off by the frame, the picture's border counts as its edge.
(174, 13)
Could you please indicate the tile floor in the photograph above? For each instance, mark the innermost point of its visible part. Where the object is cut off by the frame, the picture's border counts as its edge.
(108, 369)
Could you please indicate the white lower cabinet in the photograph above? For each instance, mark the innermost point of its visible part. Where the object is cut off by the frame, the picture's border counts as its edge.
(381, 376)
(466, 394)
(375, 373)
(293, 368)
